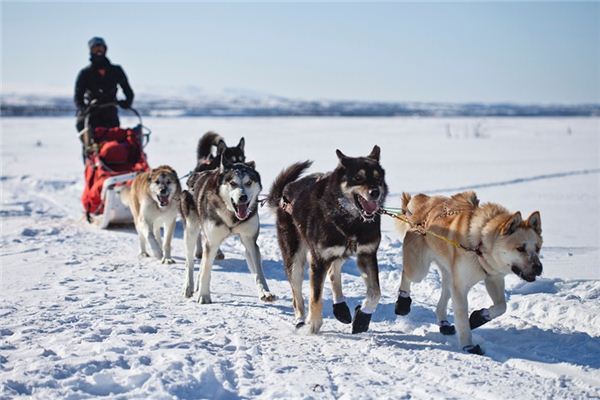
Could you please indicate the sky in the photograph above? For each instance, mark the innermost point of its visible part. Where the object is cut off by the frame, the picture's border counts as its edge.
(440, 52)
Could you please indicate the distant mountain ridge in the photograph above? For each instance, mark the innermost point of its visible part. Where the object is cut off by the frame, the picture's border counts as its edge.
(193, 102)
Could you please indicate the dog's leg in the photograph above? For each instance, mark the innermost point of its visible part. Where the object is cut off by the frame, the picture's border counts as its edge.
(317, 280)
(147, 231)
(255, 265)
(441, 310)
(495, 288)
(461, 318)
(414, 268)
(210, 245)
(142, 240)
(191, 232)
(340, 308)
(168, 229)
(367, 263)
(295, 270)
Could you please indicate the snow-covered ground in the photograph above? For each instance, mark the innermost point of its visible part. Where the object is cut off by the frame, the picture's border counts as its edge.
(81, 315)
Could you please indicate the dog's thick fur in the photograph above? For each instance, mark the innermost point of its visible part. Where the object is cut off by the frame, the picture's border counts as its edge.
(326, 218)
(222, 202)
(153, 200)
(500, 243)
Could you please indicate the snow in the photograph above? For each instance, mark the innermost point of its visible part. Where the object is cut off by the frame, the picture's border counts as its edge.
(82, 316)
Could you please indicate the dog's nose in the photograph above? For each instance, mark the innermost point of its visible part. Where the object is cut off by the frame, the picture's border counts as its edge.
(537, 267)
(164, 191)
(374, 193)
(243, 199)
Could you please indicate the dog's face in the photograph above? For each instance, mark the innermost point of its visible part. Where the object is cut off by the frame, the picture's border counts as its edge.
(239, 188)
(518, 245)
(362, 183)
(164, 185)
(232, 154)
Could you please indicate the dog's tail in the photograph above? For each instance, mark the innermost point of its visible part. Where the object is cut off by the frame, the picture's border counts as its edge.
(124, 195)
(286, 176)
(206, 142)
(402, 226)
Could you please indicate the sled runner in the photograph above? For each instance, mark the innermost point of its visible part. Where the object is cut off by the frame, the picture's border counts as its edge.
(112, 158)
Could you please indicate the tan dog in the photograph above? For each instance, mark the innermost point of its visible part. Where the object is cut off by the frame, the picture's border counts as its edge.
(494, 243)
(154, 202)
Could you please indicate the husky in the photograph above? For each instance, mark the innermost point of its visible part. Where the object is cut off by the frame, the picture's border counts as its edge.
(222, 202)
(205, 161)
(325, 218)
(493, 243)
(153, 200)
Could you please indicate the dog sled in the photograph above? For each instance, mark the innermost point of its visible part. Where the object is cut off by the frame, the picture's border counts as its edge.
(112, 158)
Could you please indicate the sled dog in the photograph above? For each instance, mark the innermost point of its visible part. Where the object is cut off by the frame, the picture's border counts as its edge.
(153, 200)
(494, 243)
(326, 218)
(205, 160)
(222, 202)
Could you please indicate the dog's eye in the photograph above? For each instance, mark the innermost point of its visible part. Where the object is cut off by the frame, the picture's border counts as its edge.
(248, 184)
(359, 178)
(521, 249)
(233, 184)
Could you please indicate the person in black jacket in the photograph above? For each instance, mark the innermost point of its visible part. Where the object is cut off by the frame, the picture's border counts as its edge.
(98, 81)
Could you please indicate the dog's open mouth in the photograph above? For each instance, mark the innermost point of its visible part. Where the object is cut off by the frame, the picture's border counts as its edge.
(368, 208)
(163, 200)
(241, 210)
(522, 275)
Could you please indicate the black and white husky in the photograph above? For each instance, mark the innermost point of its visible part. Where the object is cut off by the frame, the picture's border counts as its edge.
(326, 218)
(206, 160)
(222, 202)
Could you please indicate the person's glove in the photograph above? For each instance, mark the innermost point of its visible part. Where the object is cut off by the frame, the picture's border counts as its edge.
(124, 103)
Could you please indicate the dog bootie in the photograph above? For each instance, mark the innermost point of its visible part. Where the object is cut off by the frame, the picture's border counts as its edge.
(479, 318)
(361, 321)
(474, 349)
(402, 305)
(446, 328)
(342, 312)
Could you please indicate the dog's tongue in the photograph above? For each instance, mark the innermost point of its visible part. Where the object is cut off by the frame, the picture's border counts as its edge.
(242, 211)
(368, 206)
(164, 200)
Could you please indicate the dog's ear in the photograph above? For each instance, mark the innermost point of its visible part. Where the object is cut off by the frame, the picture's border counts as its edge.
(342, 157)
(535, 222)
(251, 164)
(221, 147)
(241, 144)
(512, 224)
(375, 153)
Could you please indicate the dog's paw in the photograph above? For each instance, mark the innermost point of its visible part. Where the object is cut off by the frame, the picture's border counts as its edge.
(268, 297)
(299, 323)
(446, 328)
(188, 291)
(315, 326)
(479, 318)
(361, 321)
(143, 254)
(474, 349)
(166, 260)
(342, 313)
(402, 305)
(204, 299)
(220, 255)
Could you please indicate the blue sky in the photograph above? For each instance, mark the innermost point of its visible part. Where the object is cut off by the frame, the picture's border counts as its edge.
(455, 52)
